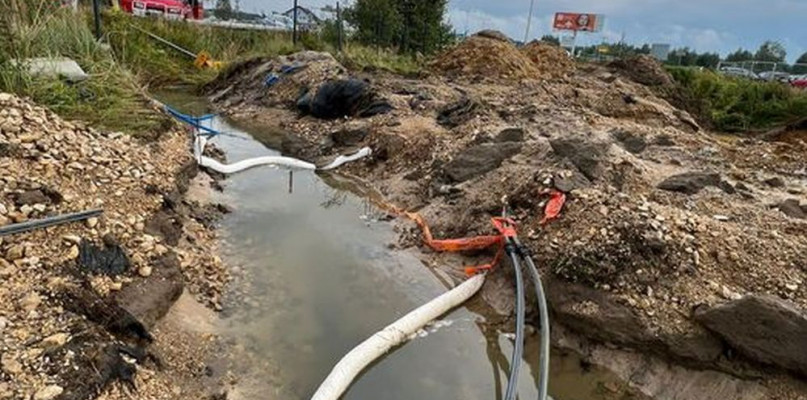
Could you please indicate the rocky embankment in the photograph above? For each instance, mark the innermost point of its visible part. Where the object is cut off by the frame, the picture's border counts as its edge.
(676, 245)
(80, 302)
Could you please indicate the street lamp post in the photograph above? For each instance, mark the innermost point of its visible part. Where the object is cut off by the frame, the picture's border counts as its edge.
(529, 21)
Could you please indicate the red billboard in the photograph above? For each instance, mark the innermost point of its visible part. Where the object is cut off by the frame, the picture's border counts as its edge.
(577, 22)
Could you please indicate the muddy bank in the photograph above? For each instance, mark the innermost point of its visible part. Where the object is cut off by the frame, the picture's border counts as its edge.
(668, 231)
(81, 302)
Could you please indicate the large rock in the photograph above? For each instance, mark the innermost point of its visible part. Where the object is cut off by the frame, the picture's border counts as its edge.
(592, 312)
(477, 160)
(598, 316)
(149, 298)
(586, 155)
(792, 209)
(763, 328)
(690, 182)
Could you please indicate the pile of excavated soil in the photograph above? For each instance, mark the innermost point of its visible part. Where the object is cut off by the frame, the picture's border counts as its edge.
(661, 219)
(274, 81)
(646, 70)
(643, 69)
(484, 57)
(66, 330)
(549, 59)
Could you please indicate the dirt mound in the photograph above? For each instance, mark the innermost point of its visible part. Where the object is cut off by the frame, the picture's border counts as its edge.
(549, 59)
(491, 34)
(483, 57)
(276, 81)
(643, 69)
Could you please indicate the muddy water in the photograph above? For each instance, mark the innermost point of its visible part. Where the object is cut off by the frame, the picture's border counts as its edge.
(319, 278)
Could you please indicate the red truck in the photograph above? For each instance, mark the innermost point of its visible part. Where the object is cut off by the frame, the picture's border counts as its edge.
(799, 82)
(172, 9)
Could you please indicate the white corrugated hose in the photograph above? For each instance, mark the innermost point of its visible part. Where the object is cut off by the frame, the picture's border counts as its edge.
(351, 365)
(277, 161)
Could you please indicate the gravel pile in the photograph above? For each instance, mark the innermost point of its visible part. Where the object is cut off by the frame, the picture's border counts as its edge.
(51, 167)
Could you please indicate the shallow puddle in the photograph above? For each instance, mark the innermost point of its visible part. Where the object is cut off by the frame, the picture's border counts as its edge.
(321, 279)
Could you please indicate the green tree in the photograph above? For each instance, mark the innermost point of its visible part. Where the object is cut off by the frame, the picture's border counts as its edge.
(708, 60)
(411, 25)
(376, 21)
(740, 55)
(223, 10)
(684, 56)
(423, 28)
(551, 40)
(802, 59)
(771, 51)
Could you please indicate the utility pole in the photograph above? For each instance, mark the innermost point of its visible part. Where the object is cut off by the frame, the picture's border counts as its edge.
(294, 33)
(96, 11)
(338, 27)
(529, 21)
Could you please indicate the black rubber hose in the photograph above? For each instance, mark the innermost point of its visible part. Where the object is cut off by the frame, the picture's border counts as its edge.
(518, 348)
(543, 377)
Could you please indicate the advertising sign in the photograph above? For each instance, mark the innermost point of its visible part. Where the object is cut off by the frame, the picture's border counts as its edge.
(577, 22)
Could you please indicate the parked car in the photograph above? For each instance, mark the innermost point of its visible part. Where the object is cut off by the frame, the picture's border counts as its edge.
(172, 9)
(738, 72)
(775, 76)
(799, 81)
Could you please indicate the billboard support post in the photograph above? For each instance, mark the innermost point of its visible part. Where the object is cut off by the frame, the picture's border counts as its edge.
(574, 43)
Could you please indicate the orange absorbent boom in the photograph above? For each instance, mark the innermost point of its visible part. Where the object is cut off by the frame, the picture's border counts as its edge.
(461, 244)
(505, 226)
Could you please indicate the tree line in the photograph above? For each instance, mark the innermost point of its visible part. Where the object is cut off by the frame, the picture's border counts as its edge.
(769, 51)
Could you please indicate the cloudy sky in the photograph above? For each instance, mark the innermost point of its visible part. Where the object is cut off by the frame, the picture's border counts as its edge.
(705, 25)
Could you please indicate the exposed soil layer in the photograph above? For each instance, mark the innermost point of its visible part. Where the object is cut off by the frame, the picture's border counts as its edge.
(79, 302)
(662, 217)
(483, 57)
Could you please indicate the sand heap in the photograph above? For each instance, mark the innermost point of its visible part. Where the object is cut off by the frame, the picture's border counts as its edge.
(484, 57)
(550, 60)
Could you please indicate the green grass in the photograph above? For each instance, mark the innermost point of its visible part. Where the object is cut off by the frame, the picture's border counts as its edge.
(132, 61)
(156, 63)
(741, 105)
(363, 57)
(111, 99)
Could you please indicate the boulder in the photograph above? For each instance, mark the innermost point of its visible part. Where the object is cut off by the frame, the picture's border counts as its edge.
(586, 155)
(792, 209)
(763, 328)
(583, 309)
(510, 135)
(629, 141)
(599, 316)
(457, 113)
(690, 182)
(149, 298)
(477, 160)
(775, 182)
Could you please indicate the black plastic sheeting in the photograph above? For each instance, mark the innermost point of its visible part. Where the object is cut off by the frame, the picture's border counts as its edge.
(342, 98)
(109, 259)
